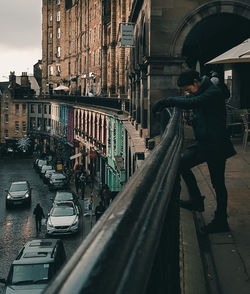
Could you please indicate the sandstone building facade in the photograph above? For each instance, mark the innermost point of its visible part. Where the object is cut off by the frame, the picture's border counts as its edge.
(81, 46)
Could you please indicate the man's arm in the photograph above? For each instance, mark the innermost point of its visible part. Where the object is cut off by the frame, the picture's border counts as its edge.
(188, 101)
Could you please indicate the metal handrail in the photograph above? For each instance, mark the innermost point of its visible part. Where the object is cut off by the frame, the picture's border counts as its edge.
(134, 247)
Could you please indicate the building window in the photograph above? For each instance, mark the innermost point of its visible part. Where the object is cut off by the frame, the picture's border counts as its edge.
(69, 68)
(16, 126)
(6, 133)
(58, 2)
(50, 18)
(45, 109)
(69, 47)
(50, 35)
(32, 122)
(6, 118)
(58, 51)
(94, 37)
(17, 109)
(24, 126)
(58, 33)
(39, 108)
(58, 16)
(50, 70)
(49, 109)
(58, 69)
(24, 109)
(32, 108)
(6, 105)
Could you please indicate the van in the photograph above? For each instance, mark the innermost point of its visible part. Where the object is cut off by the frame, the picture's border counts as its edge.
(35, 265)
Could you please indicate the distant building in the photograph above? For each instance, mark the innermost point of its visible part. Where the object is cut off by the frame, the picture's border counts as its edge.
(81, 47)
(14, 109)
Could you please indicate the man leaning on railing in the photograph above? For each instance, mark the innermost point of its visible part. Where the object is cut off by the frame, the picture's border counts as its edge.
(212, 143)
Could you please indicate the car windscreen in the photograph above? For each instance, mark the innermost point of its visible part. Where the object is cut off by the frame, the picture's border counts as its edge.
(30, 273)
(18, 187)
(46, 167)
(62, 196)
(63, 211)
(58, 176)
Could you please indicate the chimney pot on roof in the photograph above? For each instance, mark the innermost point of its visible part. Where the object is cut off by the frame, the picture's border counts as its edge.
(25, 80)
(12, 79)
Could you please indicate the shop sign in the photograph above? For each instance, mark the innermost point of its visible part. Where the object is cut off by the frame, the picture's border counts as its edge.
(127, 34)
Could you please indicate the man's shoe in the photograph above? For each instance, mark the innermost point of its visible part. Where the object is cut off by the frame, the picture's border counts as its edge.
(217, 225)
(196, 205)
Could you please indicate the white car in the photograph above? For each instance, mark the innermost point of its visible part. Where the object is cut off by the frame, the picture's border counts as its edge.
(40, 163)
(63, 219)
(57, 181)
(44, 169)
(48, 174)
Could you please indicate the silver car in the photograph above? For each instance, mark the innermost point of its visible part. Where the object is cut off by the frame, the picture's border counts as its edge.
(63, 219)
(48, 174)
(57, 181)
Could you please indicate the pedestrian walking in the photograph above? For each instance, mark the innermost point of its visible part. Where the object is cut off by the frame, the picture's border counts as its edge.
(106, 195)
(99, 210)
(77, 180)
(39, 214)
(213, 146)
(82, 180)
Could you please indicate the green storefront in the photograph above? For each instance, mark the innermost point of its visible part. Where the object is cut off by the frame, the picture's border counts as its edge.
(116, 154)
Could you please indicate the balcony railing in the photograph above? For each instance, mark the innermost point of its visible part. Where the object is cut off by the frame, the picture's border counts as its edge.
(134, 247)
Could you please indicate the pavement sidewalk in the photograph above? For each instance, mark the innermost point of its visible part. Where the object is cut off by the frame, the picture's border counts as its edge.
(224, 257)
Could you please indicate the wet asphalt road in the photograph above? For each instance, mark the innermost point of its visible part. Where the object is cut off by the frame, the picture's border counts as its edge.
(17, 225)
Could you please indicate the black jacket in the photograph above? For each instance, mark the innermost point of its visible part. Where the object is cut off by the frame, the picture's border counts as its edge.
(209, 117)
(38, 212)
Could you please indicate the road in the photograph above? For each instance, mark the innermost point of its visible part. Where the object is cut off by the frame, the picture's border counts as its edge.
(17, 225)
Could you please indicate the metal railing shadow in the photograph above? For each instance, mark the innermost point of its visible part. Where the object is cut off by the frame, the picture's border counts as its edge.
(134, 247)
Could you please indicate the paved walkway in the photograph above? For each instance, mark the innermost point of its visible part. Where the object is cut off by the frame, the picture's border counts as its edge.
(225, 257)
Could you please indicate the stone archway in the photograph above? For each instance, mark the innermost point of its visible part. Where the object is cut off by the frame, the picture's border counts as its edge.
(199, 15)
(208, 32)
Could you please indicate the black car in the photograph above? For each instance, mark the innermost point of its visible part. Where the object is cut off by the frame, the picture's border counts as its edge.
(36, 264)
(18, 193)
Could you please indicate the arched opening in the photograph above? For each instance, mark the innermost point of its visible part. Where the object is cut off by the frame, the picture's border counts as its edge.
(212, 36)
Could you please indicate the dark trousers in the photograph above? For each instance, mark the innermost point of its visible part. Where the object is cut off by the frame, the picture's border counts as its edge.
(216, 165)
(38, 224)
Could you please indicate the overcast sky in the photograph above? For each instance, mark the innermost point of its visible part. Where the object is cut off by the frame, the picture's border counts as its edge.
(21, 36)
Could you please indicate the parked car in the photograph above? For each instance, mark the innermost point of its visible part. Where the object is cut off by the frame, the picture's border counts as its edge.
(44, 169)
(48, 174)
(57, 181)
(36, 264)
(18, 193)
(65, 196)
(40, 163)
(63, 218)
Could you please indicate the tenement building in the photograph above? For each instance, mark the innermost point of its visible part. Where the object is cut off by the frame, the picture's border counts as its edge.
(81, 48)
(14, 110)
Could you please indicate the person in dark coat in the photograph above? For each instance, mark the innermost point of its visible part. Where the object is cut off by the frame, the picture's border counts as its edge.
(212, 143)
(99, 210)
(39, 214)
